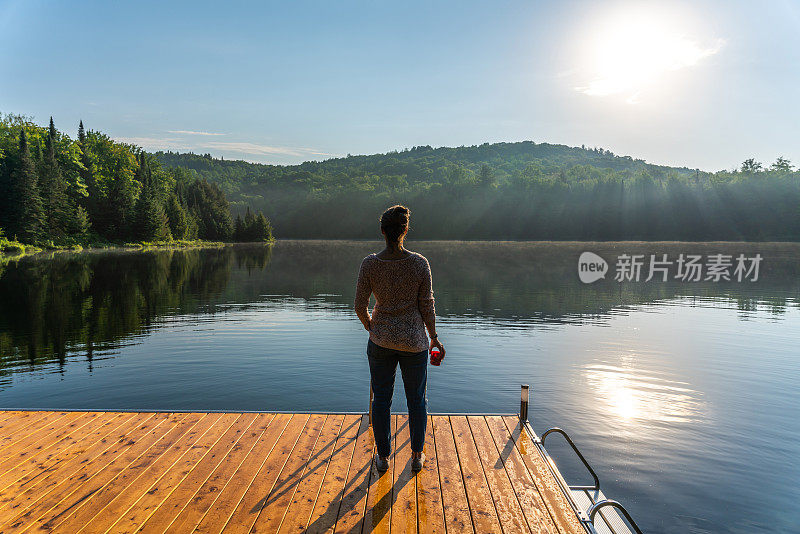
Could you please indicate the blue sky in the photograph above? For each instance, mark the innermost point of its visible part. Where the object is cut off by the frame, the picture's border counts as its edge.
(703, 84)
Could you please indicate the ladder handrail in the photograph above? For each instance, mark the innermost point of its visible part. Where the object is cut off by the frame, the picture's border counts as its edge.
(610, 502)
(578, 452)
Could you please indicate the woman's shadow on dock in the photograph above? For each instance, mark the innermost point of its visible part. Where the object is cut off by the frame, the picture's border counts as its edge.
(357, 485)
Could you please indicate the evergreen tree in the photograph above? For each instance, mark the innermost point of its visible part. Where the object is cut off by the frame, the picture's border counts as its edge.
(152, 223)
(238, 229)
(80, 224)
(28, 217)
(121, 206)
(782, 165)
(53, 187)
(92, 200)
(262, 229)
(178, 218)
(248, 232)
(208, 203)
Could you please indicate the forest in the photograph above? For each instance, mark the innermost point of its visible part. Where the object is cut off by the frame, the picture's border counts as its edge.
(514, 191)
(56, 192)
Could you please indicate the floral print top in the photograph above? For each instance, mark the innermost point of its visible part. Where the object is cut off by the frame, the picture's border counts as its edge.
(403, 301)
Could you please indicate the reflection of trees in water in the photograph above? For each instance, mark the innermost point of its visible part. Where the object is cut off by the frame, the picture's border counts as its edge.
(92, 301)
(510, 281)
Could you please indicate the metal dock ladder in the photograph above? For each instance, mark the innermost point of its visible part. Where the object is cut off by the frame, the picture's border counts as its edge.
(598, 514)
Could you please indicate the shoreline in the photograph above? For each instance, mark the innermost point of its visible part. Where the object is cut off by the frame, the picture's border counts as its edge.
(14, 250)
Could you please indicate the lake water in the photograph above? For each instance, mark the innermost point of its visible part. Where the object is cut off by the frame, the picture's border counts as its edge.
(682, 395)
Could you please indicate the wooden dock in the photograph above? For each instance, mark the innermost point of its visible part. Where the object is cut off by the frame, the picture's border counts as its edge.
(121, 472)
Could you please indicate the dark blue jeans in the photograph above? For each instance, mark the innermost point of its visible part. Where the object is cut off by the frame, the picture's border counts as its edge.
(414, 368)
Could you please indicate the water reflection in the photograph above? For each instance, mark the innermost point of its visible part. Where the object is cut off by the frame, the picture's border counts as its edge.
(55, 306)
(631, 394)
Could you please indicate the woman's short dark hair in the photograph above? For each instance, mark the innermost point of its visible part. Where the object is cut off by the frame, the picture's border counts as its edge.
(394, 222)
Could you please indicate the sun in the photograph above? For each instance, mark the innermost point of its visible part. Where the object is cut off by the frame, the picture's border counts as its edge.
(637, 48)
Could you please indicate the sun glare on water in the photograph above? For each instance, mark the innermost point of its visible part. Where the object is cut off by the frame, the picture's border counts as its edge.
(636, 49)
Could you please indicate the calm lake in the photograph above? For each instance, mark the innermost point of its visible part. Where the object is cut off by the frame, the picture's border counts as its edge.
(682, 395)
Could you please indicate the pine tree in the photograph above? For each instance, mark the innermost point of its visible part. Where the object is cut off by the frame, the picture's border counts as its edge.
(26, 203)
(178, 219)
(208, 203)
(53, 189)
(91, 201)
(152, 223)
(80, 224)
(262, 229)
(238, 229)
(248, 233)
(120, 207)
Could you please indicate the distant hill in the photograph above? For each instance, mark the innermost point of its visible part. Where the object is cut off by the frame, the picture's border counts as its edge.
(418, 164)
(521, 190)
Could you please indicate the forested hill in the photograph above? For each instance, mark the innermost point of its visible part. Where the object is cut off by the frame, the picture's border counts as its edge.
(60, 192)
(418, 164)
(519, 190)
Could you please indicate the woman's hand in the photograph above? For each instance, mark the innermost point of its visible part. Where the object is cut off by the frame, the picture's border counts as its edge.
(438, 344)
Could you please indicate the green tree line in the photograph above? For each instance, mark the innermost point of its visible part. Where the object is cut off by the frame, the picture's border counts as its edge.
(56, 191)
(520, 191)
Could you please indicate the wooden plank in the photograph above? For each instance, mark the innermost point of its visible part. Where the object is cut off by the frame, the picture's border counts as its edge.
(22, 476)
(20, 431)
(482, 508)
(276, 502)
(228, 446)
(119, 495)
(102, 486)
(298, 512)
(12, 456)
(26, 440)
(216, 499)
(254, 485)
(5, 415)
(404, 491)
(43, 498)
(14, 420)
(25, 423)
(505, 499)
(332, 490)
(378, 515)
(163, 487)
(458, 517)
(430, 512)
(533, 505)
(359, 477)
(557, 504)
(33, 486)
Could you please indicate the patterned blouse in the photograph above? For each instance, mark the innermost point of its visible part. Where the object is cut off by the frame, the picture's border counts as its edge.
(403, 301)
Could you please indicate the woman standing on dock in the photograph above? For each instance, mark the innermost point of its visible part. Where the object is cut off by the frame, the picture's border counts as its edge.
(401, 282)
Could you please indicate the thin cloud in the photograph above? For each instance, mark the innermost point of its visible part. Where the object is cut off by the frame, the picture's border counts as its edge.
(262, 150)
(193, 132)
(155, 143)
(243, 148)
